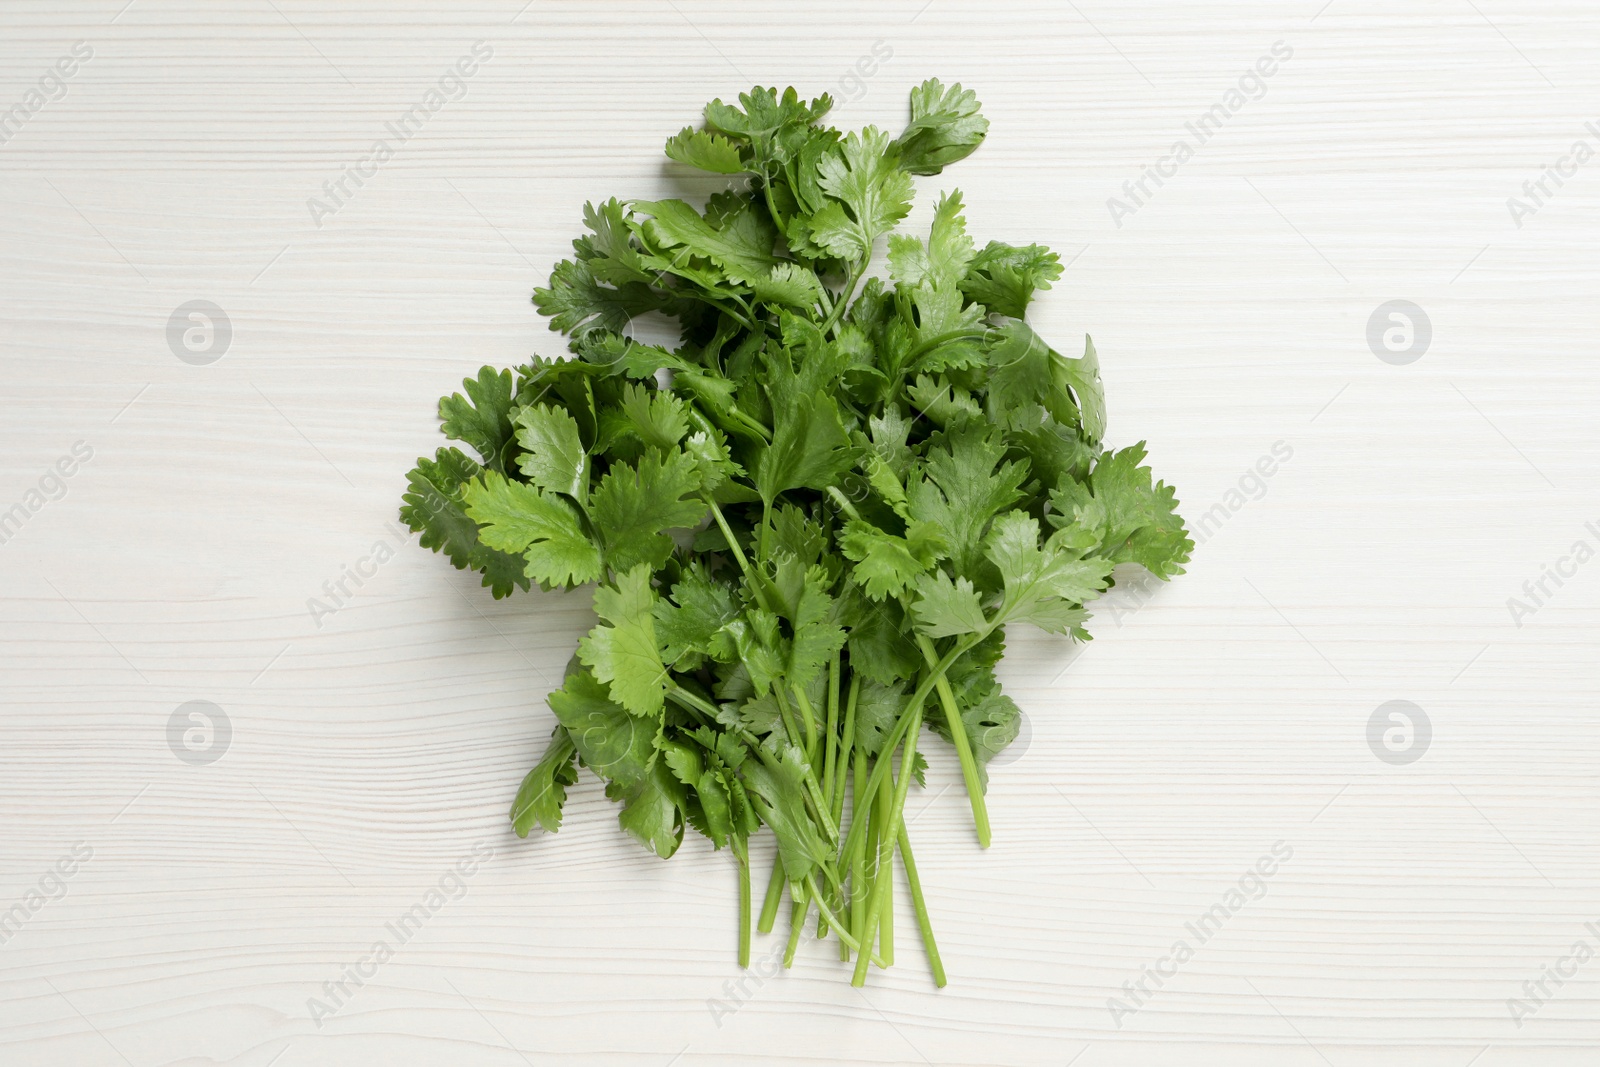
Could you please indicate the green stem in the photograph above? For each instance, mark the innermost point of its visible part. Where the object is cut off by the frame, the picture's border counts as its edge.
(750, 315)
(885, 870)
(797, 922)
(914, 706)
(845, 295)
(826, 300)
(772, 209)
(809, 717)
(940, 340)
(750, 424)
(846, 746)
(881, 887)
(846, 939)
(769, 904)
(843, 502)
(924, 923)
(742, 320)
(814, 798)
(727, 533)
(813, 794)
(854, 852)
(685, 699)
(699, 421)
(958, 737)
(830, 738)
(787, 714)
(743, 856)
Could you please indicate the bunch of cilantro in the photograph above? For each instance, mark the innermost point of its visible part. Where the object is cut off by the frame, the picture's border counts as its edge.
(809, 524)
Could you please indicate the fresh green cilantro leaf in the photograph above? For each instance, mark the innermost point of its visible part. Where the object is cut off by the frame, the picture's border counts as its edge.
(798, 535)
(484, 421)
(434, 509)
(877, 708)
(775, 127)
(716, 806)
(889, 432)
(791, 285)
(544, 790)
(1054, 452)
(1033, 576)
(633, 506)
(942, 263)
(709, 807)
(945, 127)
(1025, 370)
(626, 654)
(802, 149)
(759, 715)
(433, 504)
(764, 112)
(709, 450)
(1082, 377)
(685, 761)
(868, 190)
(967, 484)
(1003, 278)
(576, 302)
(700, 606)
(809, 449)
(554, 457)
(944, 403)
(755, 640)
(1131, 517)
(610, 254)
(816, 637)
(886, 565)
(705, 150)
(502, 572)
(879, 643)
(882, 477)
(947, 333)
(518, 518)
(652, 810)
(944, 608)
(614, 744)
(742, 247)
(655, 417)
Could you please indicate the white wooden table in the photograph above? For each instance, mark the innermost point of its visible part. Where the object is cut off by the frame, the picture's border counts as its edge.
(373, 748)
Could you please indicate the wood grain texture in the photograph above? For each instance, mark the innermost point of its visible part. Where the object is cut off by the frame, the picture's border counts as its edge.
(1222, 714)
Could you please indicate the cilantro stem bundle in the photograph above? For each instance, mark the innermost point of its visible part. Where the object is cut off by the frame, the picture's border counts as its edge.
(810, 523)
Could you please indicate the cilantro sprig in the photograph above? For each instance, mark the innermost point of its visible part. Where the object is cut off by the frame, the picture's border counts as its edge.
(809, 524)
